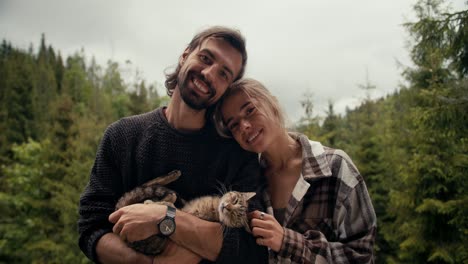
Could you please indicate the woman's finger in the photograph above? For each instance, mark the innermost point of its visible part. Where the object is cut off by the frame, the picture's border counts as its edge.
(265, 223)
(261, 232)
(259, 215)
(260, 241)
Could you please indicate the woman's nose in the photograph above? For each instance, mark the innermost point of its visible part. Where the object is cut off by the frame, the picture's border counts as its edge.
(245, 124)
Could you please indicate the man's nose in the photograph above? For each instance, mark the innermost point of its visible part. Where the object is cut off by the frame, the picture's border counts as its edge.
(209, 72)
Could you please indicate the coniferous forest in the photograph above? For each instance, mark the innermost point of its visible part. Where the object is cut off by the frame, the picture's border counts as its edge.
(411, 146)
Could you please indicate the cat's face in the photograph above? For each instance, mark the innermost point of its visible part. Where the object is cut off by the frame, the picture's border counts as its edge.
(233, 208)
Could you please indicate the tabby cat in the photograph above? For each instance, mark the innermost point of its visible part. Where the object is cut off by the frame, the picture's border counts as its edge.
(229, 209)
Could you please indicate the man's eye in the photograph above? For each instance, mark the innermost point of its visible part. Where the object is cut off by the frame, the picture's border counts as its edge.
(204, 58)
(224, 75)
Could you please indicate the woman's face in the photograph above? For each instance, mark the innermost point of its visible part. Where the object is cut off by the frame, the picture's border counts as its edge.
(249, 125)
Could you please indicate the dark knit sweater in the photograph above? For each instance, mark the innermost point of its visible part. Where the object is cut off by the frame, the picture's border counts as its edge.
(139, 148)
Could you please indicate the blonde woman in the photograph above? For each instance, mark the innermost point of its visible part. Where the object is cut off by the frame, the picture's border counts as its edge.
(319, 209)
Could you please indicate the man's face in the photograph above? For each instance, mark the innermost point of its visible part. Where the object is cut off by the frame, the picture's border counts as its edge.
(207, 71)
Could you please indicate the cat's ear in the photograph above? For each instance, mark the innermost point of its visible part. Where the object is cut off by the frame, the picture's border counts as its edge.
(248, 195)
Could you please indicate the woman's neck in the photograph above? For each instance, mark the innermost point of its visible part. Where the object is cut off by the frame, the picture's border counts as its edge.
(283, 153)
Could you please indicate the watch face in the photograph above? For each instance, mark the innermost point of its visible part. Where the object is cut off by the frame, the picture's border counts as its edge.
(167, 226)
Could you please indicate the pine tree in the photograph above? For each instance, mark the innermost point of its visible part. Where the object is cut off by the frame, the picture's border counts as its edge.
(430, 202)
(45, 88)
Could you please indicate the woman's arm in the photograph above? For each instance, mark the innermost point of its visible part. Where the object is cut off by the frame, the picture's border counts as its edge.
(355, 234)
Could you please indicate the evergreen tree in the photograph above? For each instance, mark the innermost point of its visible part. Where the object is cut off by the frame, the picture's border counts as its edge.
(309, 124)
(51, 118)
(45, 88)
(139, 100)
(17, 81)
(331, 129)
(430, 202)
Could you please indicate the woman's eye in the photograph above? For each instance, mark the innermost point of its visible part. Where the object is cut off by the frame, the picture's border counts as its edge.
(233, 126)
(250, 110)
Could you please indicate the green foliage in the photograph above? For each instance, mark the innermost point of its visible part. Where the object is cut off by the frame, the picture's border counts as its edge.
(52, 118)
(428, 202)
(411, 147)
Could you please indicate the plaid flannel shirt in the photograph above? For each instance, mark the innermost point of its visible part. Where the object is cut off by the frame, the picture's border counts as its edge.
(329, 217)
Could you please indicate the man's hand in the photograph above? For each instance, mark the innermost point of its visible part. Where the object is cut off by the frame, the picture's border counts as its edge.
(137, 221)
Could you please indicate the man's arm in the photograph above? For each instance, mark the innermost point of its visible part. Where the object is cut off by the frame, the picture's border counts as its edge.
(139, 221)
(206, 239)
(202, 237)
(96, 239)
(111, 249)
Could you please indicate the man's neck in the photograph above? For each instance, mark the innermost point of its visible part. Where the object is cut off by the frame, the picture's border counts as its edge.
(182, 117)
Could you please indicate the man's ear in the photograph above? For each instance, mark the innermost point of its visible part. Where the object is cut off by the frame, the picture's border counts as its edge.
(184, 56)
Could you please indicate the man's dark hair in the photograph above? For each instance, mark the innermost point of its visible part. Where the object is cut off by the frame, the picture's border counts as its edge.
(231, 36)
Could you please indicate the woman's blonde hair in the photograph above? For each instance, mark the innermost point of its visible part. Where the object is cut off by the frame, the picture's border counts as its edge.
(265, 102)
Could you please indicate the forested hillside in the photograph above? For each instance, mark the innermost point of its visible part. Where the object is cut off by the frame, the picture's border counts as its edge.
(411, 146)
(52, 115)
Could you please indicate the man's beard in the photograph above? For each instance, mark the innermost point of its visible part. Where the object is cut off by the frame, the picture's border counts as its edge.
(190, 97)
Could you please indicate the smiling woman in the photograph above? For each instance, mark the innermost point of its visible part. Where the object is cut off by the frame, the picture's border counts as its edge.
(318, 206)
(251, 117)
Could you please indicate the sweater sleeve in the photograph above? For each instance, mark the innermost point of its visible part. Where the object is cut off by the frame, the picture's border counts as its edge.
(356, 228)
(239, 246)
(97, 201)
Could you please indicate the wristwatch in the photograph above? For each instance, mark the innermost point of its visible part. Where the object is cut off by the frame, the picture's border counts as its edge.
(167, 225)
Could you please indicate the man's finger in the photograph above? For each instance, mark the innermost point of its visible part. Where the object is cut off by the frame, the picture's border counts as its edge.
(115, 216)
(117, 229)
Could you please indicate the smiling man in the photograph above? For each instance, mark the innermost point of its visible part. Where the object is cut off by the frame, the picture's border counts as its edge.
(139, 148)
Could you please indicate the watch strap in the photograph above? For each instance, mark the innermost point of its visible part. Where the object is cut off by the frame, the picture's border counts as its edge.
(171, 212)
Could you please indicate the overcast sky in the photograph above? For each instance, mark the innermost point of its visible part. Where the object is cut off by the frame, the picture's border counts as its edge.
(320, 46)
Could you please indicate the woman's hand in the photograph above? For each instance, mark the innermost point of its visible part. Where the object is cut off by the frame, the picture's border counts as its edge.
(267, 230)
(137, 221)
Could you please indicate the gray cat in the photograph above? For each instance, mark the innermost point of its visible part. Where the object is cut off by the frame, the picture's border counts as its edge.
(229, 209)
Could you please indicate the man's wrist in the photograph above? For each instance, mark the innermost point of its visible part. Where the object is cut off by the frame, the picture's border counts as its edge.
(167, 225)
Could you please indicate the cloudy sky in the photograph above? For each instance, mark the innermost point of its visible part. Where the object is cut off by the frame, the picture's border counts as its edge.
(323, 47)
